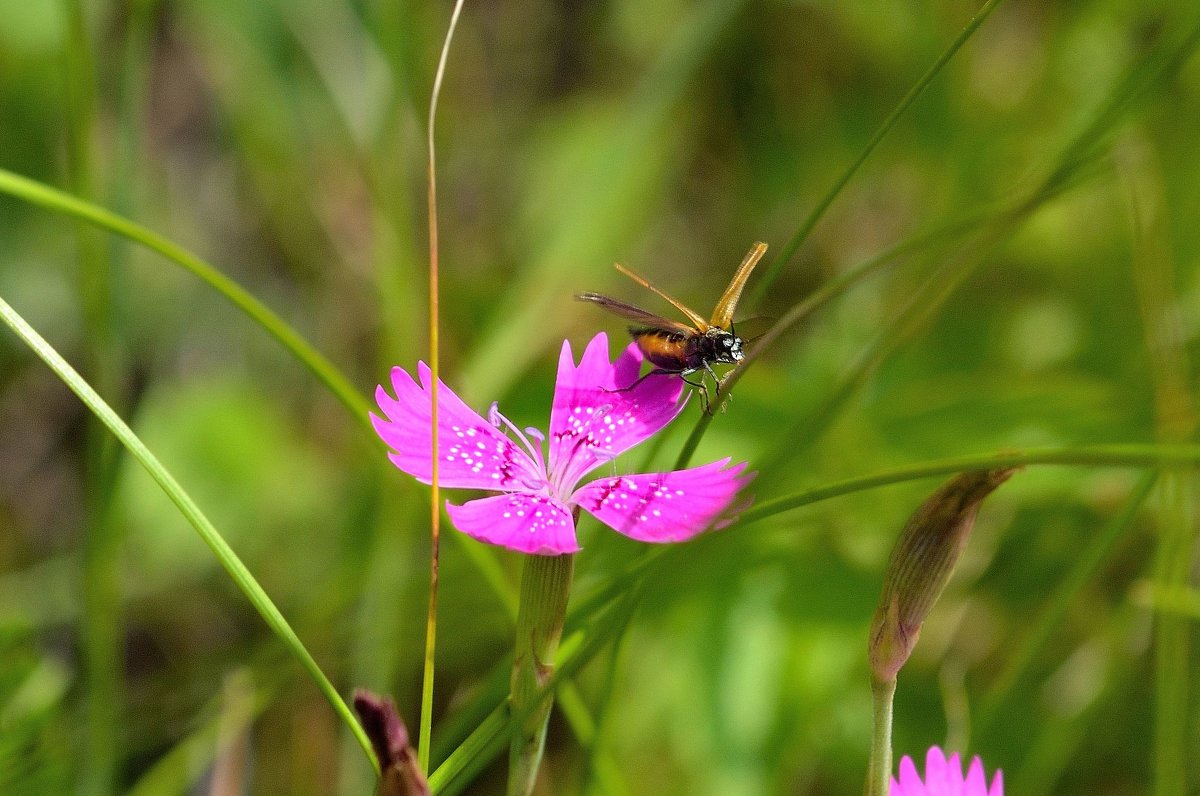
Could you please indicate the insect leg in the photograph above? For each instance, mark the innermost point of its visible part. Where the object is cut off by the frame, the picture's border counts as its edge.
(716, 381)
(701, 384)
(642, 378)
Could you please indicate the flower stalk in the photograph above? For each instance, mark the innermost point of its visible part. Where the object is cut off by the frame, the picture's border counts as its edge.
(917, 572)
(545, 587)
(400, 772)
(879, 767)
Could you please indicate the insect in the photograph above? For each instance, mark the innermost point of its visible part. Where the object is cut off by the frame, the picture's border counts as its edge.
(676, 348)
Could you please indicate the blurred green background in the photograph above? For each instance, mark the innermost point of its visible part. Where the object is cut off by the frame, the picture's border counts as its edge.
(1043, 191)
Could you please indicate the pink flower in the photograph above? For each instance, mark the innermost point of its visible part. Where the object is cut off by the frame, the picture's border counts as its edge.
(595, 417)
(945, 778)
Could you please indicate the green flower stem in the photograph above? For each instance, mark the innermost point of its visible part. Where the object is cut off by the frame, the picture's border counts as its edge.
(545, 587)
(577, 648)
(879, 770)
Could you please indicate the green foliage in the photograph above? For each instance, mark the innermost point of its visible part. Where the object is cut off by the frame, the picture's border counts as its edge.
(991, 262)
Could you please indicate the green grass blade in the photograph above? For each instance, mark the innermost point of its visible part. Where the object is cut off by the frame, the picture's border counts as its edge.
(45, 196)
(918, 311)
(1142, 456)
(100, 627)
(224, 553)
(793, 245)
(1025, 650)
(809, 305)
(326, 372)
(1135, 86)
(1172, 653)
(484, 743)
(1081, 150)
(1179, 601)
(1165, 334)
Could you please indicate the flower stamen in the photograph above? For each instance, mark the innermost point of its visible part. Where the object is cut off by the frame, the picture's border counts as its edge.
(496, 418)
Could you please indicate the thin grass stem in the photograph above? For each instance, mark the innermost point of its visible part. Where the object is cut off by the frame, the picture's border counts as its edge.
(435, 507)
(1140, 456)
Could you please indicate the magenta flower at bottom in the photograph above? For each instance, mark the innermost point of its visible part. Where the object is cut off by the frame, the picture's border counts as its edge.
(598, 413)
(945, 778)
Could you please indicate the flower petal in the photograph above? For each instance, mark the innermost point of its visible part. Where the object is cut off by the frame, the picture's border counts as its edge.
(935, 770)
(910, 780)
(473, 453)
(520, 521)
(598, 414)
(663, 507)
(976, 782)
(944, 777)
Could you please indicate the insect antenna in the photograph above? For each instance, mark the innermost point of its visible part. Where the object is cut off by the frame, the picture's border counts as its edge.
(693, 316)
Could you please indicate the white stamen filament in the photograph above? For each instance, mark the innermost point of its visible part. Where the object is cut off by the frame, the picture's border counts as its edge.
(535, 454)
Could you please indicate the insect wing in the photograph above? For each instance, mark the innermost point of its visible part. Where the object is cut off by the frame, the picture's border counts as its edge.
(647, 319)
(722, 316)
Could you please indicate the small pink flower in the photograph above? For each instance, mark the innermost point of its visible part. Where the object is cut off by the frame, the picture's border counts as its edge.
(945, 778)
(594, 418)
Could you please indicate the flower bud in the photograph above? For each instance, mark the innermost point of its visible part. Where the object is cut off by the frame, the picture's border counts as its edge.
(400, 774)
(921, 564)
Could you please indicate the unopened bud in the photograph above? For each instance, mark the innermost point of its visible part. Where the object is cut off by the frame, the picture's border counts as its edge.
(399, 772)
(921, 564)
